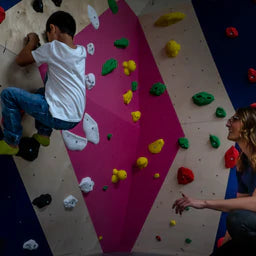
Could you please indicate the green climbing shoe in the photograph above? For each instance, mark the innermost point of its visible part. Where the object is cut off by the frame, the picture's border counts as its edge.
(6, 149)
(44, 141)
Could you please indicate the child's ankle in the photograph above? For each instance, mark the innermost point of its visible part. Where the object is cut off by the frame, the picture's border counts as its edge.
(42, 139)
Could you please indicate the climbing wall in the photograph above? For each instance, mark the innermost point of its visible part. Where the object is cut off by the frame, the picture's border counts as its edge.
(192, 71)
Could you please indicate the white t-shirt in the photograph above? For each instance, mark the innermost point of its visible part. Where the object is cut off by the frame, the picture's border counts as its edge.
(65, 86)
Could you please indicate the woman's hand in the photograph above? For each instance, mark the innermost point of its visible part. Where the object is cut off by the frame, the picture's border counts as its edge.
(181, 203)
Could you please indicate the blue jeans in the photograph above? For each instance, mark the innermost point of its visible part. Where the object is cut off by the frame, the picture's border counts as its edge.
(14, 100)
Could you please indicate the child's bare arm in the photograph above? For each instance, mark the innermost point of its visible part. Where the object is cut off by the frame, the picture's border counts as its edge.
(25, 57)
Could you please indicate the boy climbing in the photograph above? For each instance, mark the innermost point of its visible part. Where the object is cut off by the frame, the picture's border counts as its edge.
(60, 104)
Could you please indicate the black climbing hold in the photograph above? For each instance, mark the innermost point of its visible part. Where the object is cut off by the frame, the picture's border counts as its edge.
(38, 6)
(28, 148)
(57, 2)
(42, 201)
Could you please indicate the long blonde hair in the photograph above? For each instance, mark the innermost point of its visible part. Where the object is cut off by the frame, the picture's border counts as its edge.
(248, 133)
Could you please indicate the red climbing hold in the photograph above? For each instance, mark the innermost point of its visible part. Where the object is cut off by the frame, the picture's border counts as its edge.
(231, 157)
(253, 105)
(252, 75)
(185, 175)
(2, 14)
(231, 32)
(158, 238)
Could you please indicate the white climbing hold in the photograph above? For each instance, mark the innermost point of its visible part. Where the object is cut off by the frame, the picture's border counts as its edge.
(90, 48)
(90, 81)
(73, 141)
(93, 17)
(70, 202)
(30, 245)
(86, 184)
(91, 129)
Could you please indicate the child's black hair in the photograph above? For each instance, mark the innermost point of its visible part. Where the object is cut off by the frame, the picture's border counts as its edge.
(64, 21)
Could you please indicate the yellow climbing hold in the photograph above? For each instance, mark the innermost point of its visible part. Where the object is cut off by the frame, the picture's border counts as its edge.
(169, 19)
(118, 175)
(129, 66)
(142, 162)
(100, 238)
(127, 97)
(172, 222)
(156, 175)
(172, 48)
(156, 146)
(136, 116)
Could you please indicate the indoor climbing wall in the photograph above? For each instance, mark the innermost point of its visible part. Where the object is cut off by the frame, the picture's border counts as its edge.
(123, 207)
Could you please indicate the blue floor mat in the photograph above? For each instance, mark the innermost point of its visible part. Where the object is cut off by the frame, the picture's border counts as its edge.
(233, 57)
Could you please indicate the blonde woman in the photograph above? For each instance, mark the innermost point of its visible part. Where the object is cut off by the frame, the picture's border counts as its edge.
(241, 220)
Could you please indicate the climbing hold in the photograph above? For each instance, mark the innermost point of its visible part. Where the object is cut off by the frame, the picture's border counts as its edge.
(156, 175)
(172, 223)
(118, 175)
(91, 129)
(220, 112)
(93, 17)
(252, 75)
(100, 238)
(134, 86)
(169, 19)
(28, 148)
(142, 162)
(42, 201)
(231, 157)
(109, 66)
(127, 97)
(105, 188)
(253, 105)
(231, 32)
(203, 98)
(215, 141)
(121, 43)
(188, 241)
(2, 14)
(172, 48)
(109, 136)
(136, 116)
(187, 209)
(38, 6)
(90, 48)
(158, 238)
(86, 184)
(113, 6)
(90, 81)
(183, 142)
(185, 175)
(57, 2)
(129, 66)
(70, 202)
(73, 141)
(156, 146)
(220, 242)
(30, 245)
(157, 89)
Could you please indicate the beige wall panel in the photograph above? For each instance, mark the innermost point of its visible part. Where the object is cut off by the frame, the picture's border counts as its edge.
(67, 232)
(22, 19)
(192, 71)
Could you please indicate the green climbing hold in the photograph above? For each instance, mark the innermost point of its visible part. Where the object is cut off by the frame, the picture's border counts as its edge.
(134, 86)
(215, 141)
(183, 142)
(157, 89)
(220, 112)
(121, 43)
(109, 136)
(105, 187)
(113, 6)
(109, 66)
(203, 98)
(188, 241)
(187, 209)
